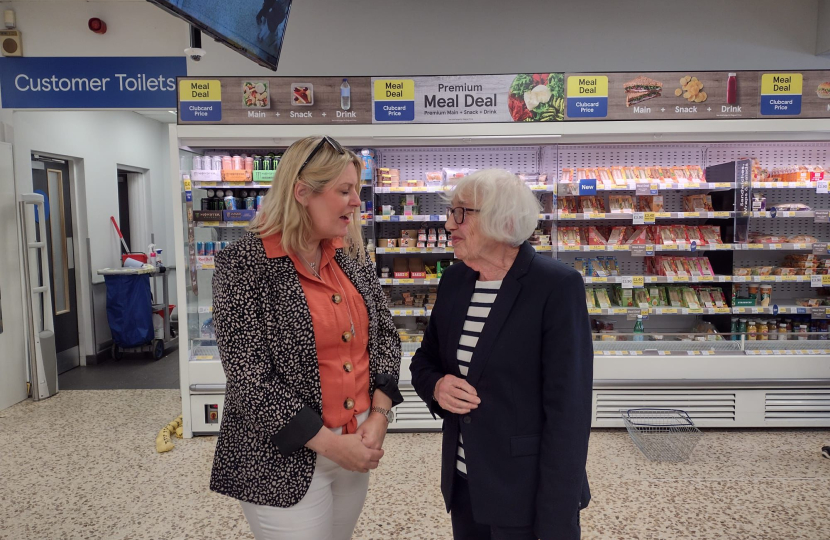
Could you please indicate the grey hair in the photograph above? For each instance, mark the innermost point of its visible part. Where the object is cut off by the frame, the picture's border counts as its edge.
(509, 209)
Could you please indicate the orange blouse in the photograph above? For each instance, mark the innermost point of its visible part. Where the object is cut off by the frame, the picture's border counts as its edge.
(343, 355)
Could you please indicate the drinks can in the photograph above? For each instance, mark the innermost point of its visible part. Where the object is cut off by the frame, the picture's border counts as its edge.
(216, 162)
(210, 249)
(259, 200)
(266, 163)
(230, 203)
(249, 163)
(238, 163)
(257, 163)
(197, 163)
(250, 203)
(200, 249)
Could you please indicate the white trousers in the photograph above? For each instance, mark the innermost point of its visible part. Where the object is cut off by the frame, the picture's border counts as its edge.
(329, 511)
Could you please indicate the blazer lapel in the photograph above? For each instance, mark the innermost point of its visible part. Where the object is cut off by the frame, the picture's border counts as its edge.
(457, 315)
(500, 311)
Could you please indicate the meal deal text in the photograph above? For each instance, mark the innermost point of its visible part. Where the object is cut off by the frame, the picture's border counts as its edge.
(587, 96)
(200, 100)
(781, 94)
(394, 100)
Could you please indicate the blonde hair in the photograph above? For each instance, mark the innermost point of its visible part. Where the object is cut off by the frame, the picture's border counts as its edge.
(282, 213)
(508, 209)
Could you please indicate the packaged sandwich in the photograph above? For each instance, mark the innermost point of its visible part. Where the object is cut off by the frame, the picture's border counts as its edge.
(568, 236)
(594, 237)
(567, 176)
(604, 177)
(717, 297)
(602, 298)
(621, 203)
(617, 236)
(803, 239)
(681, 174)
(711, 233)
(641, 298)
(590, 299)
(696, 173)
(675, 297)
(650, 203)
(434, 178)
(690, 299)
(638, 236)
(654, 295)
(618, 176)
(741, 271)
(630, 174)
(705, 298)
(680, 233)
(568, 205)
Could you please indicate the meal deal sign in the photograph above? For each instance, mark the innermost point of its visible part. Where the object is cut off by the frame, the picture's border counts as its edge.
(587, 96)
(781, 94)
(200, 100)
(394, 100)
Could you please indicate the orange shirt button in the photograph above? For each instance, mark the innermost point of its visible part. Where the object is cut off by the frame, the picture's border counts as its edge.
(348, 404)
(347, 367)
(347, 336)
(336, 298)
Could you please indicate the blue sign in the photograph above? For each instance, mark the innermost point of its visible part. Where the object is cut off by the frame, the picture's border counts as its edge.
(588, 186)
(596, 107)
(90, 83)
(394, 111)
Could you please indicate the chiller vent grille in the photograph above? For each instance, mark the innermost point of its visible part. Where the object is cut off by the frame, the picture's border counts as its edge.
(699, 405)
(803, 405)
(413, 409)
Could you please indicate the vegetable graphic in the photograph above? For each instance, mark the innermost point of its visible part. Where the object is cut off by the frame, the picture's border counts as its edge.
(537, 97)
(255, 94)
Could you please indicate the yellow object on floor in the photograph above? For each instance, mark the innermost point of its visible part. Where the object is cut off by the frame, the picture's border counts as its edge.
(164, 441)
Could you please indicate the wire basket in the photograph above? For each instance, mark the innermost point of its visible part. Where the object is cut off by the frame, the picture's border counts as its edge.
(662, 434)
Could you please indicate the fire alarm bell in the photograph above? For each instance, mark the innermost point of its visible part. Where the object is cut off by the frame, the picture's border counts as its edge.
(98, 26)
(11, 43)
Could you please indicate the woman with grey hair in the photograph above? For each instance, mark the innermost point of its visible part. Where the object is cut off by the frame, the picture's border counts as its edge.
(507, 362)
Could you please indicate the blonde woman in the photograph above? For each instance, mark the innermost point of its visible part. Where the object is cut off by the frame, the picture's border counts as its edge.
(310, 353)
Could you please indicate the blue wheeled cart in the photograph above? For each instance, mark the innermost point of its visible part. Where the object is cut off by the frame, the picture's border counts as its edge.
(130, 311)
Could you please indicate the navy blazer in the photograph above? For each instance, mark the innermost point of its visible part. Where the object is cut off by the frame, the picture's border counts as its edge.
(527, 442)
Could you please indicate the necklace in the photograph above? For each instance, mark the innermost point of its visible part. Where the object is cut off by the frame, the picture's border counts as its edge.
(312, 266)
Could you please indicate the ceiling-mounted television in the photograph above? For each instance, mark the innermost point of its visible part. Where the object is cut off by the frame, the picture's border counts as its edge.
(254, 28)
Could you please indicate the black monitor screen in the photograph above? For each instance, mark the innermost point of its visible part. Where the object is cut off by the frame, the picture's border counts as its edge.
(254, 28)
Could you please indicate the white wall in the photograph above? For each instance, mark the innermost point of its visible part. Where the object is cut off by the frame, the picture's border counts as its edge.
(383, 37)
(100, 143)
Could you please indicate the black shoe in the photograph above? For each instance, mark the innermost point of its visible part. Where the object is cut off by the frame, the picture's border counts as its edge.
(825, 451)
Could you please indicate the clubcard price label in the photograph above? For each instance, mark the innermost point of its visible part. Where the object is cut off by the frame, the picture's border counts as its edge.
(638, 282)
(640, 250)
(818, 313)
(639, 218)
(648, 217)
(820, 281)
(821, 186)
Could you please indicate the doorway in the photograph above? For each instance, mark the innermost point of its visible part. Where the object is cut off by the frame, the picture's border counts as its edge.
(50, 178)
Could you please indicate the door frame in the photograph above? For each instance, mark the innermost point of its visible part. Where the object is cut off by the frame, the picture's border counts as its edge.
(83, 276)
(138, 188)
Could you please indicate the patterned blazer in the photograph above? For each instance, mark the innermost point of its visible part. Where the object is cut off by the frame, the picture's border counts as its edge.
(273, 401)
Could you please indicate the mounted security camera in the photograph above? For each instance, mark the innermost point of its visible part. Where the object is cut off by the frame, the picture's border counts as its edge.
(195, 53)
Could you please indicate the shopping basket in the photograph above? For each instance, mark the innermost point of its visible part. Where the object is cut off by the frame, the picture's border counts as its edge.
(662, 434)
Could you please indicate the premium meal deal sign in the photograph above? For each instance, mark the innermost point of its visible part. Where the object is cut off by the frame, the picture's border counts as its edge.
(524, 97)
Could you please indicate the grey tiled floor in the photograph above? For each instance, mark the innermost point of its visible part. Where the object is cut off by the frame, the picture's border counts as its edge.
(83, 465)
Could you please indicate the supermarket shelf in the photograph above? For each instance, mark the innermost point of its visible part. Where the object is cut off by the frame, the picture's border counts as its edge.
(785, 351)
(784, 185)
(784, 214)
(650, 247)
(392, 281)
(632, 185)
(659, 311)
(663, 279)
(234, 185)
(200, 309)
(410, 312)
(774, 247)
(565, 216)
(204, 352)
(412, 250)
(441, 189)
(770, 310)
(418, 218)
(770, 279)
(222, 224)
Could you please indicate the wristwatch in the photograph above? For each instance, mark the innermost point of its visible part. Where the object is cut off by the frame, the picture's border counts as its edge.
(390, 416)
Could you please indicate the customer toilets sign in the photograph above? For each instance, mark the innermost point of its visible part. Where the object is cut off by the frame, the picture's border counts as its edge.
(90, 82)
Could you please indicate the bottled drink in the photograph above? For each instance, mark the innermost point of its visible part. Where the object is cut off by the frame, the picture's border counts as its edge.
(638, 329)
(207, 201)
(732, 89)
(345, 95)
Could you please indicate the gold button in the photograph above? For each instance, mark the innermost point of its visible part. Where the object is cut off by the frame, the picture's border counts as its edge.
(336, 298)
(347, 367)
(349, 404)
(347, 336)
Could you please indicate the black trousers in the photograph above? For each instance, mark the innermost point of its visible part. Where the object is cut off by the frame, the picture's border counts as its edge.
(464, 527)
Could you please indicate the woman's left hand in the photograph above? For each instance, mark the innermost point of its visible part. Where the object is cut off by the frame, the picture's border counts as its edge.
(373, 430)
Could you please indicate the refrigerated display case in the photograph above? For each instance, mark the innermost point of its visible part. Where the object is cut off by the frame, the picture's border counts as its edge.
(690, 355)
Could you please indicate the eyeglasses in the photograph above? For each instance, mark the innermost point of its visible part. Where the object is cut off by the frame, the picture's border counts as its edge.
(334, 144)
(459, 213)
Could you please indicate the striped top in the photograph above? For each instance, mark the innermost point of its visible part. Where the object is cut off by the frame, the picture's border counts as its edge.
(483, 297)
